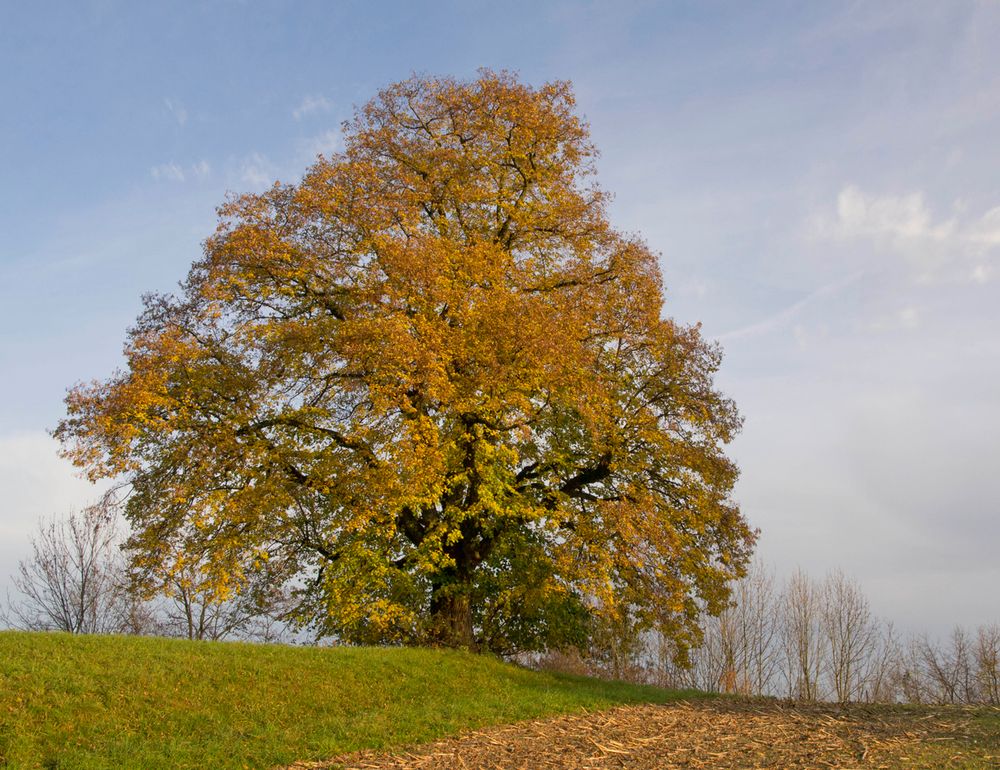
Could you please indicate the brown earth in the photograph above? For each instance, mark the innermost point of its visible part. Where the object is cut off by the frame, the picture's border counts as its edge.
(718, 733)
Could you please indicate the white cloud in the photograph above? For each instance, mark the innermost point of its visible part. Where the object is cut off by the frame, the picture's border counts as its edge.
(327, 143)
(903, 217)
(909, 317)
(902, 319)
(172, 172)
(167, 172)
(256, 171)
(36, 484)
(958, 248)
(177, 110)
(986, 231)
(311, 105)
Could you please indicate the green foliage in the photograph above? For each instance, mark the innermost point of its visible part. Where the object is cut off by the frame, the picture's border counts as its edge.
(132, 702)
(519, 604)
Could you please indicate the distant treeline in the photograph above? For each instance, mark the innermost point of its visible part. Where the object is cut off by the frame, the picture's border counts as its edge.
(806, 639)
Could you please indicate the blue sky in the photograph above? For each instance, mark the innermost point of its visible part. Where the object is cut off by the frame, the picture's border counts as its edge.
(822, 180)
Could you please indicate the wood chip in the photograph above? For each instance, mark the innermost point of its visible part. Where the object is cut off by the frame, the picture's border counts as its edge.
(718, 733)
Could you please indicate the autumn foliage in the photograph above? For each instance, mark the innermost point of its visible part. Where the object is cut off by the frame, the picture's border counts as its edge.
(431, 386)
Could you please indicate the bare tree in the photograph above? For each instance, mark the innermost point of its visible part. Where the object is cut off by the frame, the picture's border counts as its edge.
(668, 671)
(195, 608)
(617, 646)
(825, 640)
(850, 634)
(707, 670)
(756, 621)
(942, 673)
(740, 653)
(740, 649)
(802, 638)
(963, 669)
(881, 683)
(964, 666)
(191, 601)
(78, 580)
(988, 664)
(75, 579)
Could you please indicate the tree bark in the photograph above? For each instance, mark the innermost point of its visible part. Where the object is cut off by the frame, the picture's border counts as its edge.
(451, 616)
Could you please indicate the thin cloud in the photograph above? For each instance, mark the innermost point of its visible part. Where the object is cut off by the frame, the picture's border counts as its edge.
(785, 316)
(311, 105)
(201, 169)
(904, 319)
(167, 172)
(177, 110)
(986, 230)
(326, 144)
(256, 171)
(173, 172)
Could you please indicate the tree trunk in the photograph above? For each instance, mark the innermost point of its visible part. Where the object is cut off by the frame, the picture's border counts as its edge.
(451, 616)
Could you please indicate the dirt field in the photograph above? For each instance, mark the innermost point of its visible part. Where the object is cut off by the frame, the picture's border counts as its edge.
(716, 734)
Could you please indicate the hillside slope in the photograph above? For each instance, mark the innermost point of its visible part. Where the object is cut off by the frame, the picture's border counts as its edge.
(102, 702)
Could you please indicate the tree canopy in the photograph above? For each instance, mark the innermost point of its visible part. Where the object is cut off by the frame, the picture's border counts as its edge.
(432, 386)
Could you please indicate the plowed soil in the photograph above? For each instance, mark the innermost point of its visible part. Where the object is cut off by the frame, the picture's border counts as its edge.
(719, 733)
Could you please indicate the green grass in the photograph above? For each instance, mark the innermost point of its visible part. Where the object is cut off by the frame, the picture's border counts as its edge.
(973, 743)
(132, 702)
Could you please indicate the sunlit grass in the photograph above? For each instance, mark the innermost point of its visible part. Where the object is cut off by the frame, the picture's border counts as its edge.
(102, 702)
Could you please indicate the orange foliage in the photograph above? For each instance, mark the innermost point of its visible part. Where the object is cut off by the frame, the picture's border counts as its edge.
(433, 378)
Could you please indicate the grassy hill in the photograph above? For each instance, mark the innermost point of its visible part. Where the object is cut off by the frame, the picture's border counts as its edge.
(99, 701)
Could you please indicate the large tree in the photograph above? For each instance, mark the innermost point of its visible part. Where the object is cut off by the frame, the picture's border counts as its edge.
(433, 382)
